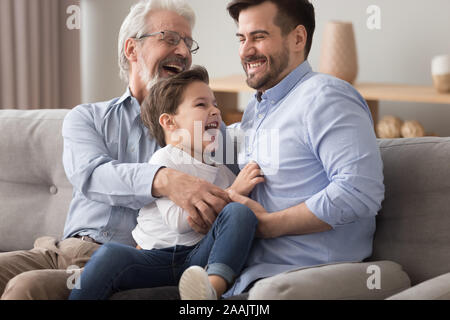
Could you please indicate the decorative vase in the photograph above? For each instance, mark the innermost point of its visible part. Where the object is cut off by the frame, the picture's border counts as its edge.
(440, 70)
(338, 53)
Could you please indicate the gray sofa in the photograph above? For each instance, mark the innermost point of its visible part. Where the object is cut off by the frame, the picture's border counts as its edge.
(411, 252)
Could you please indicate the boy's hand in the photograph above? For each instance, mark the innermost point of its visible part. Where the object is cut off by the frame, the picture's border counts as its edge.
(247, 179)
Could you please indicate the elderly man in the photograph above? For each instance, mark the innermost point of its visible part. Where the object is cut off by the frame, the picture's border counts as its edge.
(106, 150)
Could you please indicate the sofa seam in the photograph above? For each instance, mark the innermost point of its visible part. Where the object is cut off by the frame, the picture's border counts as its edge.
(414, 144)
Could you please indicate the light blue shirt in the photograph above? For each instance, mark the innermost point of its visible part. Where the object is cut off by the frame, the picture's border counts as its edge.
(106, 150)
(322, 151)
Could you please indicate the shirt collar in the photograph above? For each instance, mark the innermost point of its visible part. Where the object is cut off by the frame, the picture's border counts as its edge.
(279, 91)
(124, 97)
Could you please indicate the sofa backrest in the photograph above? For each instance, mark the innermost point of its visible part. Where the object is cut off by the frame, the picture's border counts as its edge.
(413, 226)
(34, 191)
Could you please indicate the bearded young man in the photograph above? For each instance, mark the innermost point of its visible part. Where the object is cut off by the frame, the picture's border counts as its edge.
(106, 153)
(321, 204)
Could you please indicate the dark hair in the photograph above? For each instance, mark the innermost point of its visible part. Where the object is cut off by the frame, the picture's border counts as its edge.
(291, 13)
(165, 96)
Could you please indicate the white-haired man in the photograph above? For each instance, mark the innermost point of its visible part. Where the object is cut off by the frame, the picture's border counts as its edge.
(106, 153)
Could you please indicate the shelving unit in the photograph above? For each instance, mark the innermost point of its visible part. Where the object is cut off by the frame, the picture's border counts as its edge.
(226, 90)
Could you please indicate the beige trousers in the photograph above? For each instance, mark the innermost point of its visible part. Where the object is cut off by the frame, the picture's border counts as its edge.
(46, 272)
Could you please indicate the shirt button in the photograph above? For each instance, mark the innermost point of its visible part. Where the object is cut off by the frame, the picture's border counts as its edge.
(260, 116)
(132, 149)
(53, 190)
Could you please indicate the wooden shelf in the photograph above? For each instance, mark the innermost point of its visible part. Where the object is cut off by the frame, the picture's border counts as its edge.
(227, 88)
(233, 83)
(401, 92)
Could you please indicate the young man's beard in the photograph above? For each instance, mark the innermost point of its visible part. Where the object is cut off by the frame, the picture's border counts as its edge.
(277, 64)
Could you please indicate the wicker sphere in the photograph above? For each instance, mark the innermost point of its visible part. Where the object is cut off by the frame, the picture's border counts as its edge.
(412, 129)
(389, 127)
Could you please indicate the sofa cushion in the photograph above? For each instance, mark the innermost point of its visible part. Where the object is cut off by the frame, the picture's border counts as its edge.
(34, 191)
(414, 222)
(340, 281)
(434, 289)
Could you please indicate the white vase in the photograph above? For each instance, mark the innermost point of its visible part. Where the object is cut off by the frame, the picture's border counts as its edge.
(338, 53)
(440, 70)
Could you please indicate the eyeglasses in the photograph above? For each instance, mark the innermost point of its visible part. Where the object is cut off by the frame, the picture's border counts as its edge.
(173, 38)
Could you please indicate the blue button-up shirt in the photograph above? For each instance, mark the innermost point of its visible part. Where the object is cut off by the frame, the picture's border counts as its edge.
(312, 135)
(106, 150)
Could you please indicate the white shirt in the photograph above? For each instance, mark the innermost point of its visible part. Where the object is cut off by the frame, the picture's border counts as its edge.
(162, 223)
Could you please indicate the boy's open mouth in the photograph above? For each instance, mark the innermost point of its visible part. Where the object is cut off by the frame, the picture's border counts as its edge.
(212, 125)
(212, 134)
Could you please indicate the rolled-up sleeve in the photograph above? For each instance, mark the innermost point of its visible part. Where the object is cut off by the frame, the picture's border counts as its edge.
(340, 133)
(95, 173)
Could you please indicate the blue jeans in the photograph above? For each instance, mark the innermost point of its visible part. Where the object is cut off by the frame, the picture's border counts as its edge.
(224, 249)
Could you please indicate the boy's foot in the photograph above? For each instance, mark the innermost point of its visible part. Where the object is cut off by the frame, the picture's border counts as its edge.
(194, 285)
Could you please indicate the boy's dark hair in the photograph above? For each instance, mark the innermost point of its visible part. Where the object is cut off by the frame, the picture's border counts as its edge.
(165, 96)
(291, 13)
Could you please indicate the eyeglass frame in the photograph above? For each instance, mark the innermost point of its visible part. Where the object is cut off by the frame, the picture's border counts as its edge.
(194, 51)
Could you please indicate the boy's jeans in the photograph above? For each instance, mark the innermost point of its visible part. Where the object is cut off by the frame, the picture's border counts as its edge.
(224, 250)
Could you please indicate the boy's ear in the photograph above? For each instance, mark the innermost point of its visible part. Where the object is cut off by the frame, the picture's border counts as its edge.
(167, 122)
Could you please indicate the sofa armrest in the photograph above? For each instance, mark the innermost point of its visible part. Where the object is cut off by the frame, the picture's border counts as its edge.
(434, 289)
(340, 281)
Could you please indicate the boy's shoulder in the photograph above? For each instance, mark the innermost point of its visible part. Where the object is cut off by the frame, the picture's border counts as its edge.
(162, 157)
(174, 158)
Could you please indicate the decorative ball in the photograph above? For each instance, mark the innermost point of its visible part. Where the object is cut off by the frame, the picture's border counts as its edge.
(389, 127)
(412, 129)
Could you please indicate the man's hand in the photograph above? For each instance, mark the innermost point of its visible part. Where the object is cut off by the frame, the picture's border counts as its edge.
(201, 199)
(264, 229)
(294, 220)
(247, 179)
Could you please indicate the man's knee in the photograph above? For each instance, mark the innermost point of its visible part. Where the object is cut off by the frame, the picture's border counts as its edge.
(38, 285)
(14, 263)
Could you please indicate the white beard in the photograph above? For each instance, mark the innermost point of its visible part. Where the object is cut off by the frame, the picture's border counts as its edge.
(144, 74)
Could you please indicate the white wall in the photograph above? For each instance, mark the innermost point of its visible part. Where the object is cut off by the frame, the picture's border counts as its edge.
(100, 25)
(412, 32)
